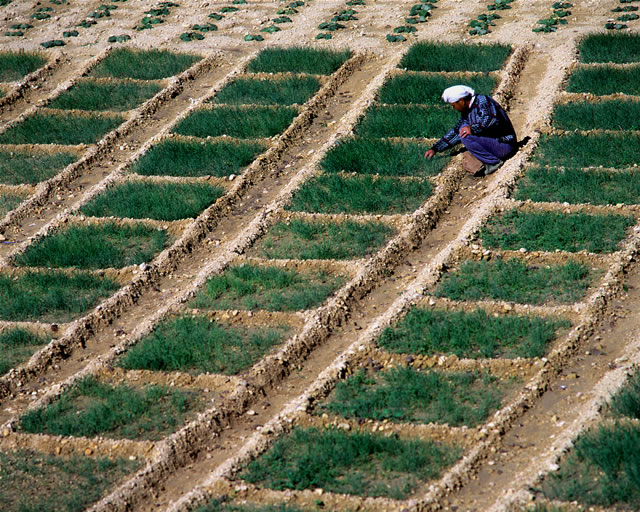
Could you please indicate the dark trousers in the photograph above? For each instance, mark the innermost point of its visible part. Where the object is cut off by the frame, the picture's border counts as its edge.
(487, 150)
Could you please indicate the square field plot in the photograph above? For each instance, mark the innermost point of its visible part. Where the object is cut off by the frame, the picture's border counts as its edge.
(268, 91)
(18, 345)
(186, 158)
(221, 505)
(159, 201)
(90, 408)
(427, 56)
(335, 193)
(427, 90)
(241, 122)
(605, 80)
(143, 65)
(577, 186)
(550, 231)
(298, 60)
(51, 296)
(31, 167)
(618, 48)
(514, 281)
(95, 246)
(607, 115)
(358, 463)
(598, 149)
(60, 128)
(406, 121)
(16, 65)
(269, 288)
(32, 481)
(471, 335)
(383, 157)
(407, 395)
(9, 201)
(116, 96)
(195, 344)
(304, 240)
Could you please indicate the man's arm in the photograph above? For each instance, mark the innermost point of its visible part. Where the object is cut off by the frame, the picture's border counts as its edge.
(450, 139)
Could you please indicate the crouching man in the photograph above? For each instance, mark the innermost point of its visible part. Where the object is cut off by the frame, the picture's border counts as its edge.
(484, 128)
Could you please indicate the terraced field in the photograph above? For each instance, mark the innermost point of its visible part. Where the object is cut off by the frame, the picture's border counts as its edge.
(230, 280)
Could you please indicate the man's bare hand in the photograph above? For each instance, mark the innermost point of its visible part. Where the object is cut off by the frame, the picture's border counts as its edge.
(464, 131)
(430, 153)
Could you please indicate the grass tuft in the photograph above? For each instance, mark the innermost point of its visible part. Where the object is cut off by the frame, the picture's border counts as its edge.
(470, 335)
(404, 394)
(334, 193)
(113, 96)
(549, 231)
(375, 156)
(626, 402)
(271, 91)
(237, 121)
(17, 345)
(192, 158)
(298, 60)
(605, 80)
(51, 296)
(95, 246)
(199, 345)
(17, 65)
(428, 56)
(512, 280)
(62, 128)
(406, 121)
(31, 481)
(608, 115)
(269, 288)
(427, 90)
(299, 239)
(159, 201)
(25, 167)
(92, 408)
(143, 65)
(618, 47)
(354, 463)
(8, 202)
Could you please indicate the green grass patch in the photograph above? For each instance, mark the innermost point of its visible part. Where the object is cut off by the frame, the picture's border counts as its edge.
(159, 201)
(512, 280)
(237, 121)
(353, 463)
(470, 335)
(26, 167)
(90, 408)
(407, 395)
(269, 91)
(602, 469)
(270, 288)
(298, 60)
(387, 158)
(626, 402)
(548, 231)
(578, 186)
(31, 481)
(427, 90)
(193, 159)
(60, 128)
(605, 80)
(218, 505)
(17, 65)
(143, 65)
(199, 345)
(8, 202)
(51, 296)
(618, 47)
(18, 345)
(115, 96)
(335, 193)
(303, 240)
(95, 246)
(608, 115)
(406, 121)
(576, 150)
(428, 56)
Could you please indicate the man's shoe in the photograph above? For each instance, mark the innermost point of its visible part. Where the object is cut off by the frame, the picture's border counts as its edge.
(490, 169)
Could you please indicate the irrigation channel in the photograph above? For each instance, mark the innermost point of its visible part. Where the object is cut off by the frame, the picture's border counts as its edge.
(274, 419)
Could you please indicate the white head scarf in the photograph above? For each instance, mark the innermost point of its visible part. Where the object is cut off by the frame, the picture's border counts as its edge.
(457, 92)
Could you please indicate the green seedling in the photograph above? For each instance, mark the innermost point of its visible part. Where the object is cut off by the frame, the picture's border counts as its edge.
(324, 35)
(394, 38)
(143, 65)
(71, 33)
(87, 23)
(288, 11)
(271, 29)
(207, 27)
(499, 5)
(119, 39)
(26, 167)
(628, 8)
(21, 26)
(345, 15)
(331, 26)
(148, 23)
(225, 10)
(478, 28)
(561, 13)
(52, 43)
(282, 19)
(296, 3)
(14, 33)
(416, 19)
(216, 16)
(355, 2)
(117, 96)
(251, 37)
(628, 17)
(17, 346)
(239, 2)
(99, 14)
(40, 16)
(615, 26)
(158, 12)
(191, 36)
(5, 2)
(298, 60)
(406, 29)
(423, 9)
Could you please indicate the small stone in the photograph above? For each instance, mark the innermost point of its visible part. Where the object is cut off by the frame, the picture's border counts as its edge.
(251, 412)
(88, 451)
(344, 426)
(573, 376)
(2, 238)
(5, 432)
(232, 177)
(522, 250)
(58, 450)
(143, 266)
(319, 491)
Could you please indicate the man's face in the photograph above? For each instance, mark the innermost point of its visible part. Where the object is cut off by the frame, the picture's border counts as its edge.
(460, 105)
